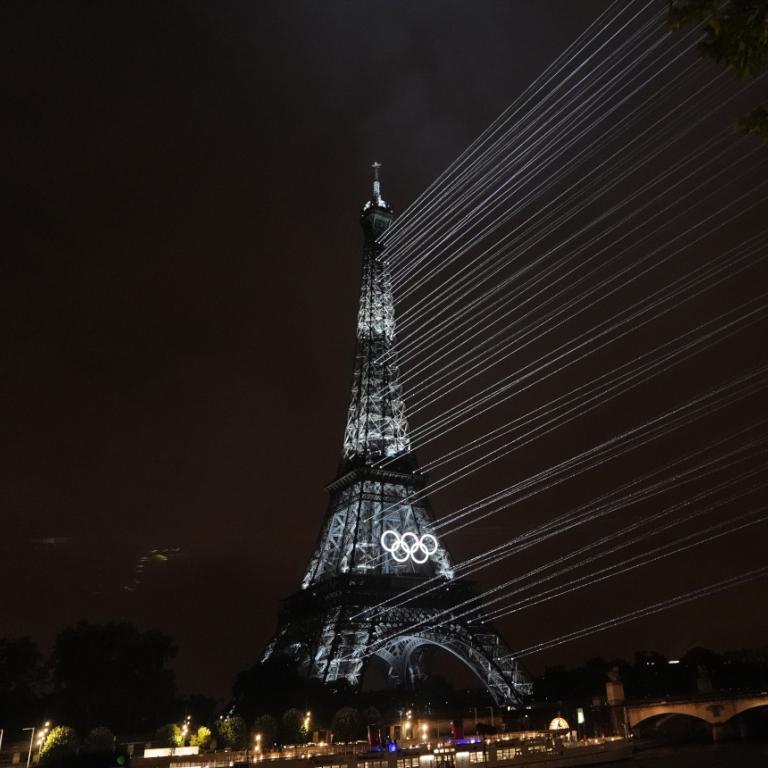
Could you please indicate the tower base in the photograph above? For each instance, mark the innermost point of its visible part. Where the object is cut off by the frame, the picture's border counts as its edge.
(333, 629)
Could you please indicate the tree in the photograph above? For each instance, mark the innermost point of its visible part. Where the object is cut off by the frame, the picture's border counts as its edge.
(60, 743)
(232, 731)
(290, 726)
(346, 724)
(273, 687)
(736, 35)
(199, 707)
(114, 674)
(21, 679)
(266, 725)
(100, 739)
(372, 716)
(170, 735)
(202, 738)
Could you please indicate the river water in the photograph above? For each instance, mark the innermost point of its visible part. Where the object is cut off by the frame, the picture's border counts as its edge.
(733, 755)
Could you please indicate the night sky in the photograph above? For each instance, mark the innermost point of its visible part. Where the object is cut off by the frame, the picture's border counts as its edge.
(180, 272)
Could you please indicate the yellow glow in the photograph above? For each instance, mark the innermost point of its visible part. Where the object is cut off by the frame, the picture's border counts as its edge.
(559, 724)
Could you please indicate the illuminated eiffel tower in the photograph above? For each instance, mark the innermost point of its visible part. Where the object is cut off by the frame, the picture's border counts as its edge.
(377, 541)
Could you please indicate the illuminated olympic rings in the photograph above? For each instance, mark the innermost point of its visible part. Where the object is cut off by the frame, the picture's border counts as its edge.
(409, 546)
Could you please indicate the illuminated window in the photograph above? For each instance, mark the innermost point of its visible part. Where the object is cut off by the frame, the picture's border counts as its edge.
(506, 753)
(476, 757)
(408, 762)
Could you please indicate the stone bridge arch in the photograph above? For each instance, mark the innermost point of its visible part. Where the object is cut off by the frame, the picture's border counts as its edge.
(658, 719)
(748, 707)
(713, 710)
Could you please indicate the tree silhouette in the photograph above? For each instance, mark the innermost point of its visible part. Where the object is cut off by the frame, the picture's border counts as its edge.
(100, 739)
(372, 716)
(266, 725)
(736, 35)
(199, 707)
(21, 680)
(290, 726)
(113, 674)
(346, 724)
(275, 686)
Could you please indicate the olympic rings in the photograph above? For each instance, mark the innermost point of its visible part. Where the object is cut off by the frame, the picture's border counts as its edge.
(409, 546)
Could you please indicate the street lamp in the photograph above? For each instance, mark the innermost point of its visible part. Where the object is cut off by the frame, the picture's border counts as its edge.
(41, 734)
(41, 738)
(31, 741)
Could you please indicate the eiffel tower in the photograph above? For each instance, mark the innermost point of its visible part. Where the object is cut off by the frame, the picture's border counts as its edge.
(377, 540)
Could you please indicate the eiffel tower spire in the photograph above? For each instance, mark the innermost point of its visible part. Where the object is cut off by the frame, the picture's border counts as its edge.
(376, 423)
(378, 538)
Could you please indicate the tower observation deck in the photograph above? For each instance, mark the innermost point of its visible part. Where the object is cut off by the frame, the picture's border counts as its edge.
(377, 541)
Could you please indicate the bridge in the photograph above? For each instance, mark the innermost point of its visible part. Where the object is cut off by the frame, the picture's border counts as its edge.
(715, 709)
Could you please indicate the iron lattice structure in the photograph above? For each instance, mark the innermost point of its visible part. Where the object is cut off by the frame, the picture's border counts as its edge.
(334, 625)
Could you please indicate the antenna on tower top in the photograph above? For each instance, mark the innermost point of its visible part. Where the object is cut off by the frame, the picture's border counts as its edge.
(376, 182)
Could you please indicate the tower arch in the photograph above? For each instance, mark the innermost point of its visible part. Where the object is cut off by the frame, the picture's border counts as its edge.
(504, 683)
